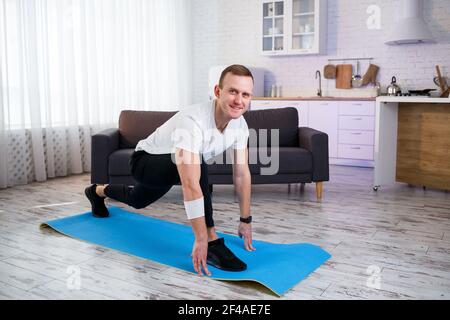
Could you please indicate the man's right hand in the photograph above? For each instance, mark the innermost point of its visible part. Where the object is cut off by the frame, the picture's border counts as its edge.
(199, 254)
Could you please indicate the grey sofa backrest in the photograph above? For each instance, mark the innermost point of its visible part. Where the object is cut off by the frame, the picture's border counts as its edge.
(138, 125)
(284, 119)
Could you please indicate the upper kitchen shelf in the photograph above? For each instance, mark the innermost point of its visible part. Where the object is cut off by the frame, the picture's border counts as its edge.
(293, 27)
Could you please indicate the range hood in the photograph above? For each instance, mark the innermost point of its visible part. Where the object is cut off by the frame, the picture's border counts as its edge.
(411, 28)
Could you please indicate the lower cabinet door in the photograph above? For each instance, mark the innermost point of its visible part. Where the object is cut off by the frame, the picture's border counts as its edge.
(352, 151)
(356, 137)
(323, 116)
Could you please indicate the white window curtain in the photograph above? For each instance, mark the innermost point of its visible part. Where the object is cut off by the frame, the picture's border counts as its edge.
(68, 67)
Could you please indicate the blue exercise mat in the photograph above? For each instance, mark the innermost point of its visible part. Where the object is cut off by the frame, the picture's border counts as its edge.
(277, 266)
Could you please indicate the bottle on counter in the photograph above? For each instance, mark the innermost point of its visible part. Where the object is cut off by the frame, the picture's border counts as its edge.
(273, 91)
(279, 91)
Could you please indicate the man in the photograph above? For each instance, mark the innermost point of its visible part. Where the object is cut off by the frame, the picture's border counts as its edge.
(176, 152)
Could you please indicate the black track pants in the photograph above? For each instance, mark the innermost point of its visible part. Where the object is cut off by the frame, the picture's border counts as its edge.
(155, 175)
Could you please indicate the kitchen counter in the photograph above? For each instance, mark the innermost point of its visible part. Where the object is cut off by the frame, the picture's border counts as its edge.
(316, 98)
(412, 139)
(414, 99)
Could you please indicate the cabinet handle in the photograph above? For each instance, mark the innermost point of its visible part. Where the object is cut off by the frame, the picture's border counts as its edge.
(355, 148)
(357, 118)
(356, 133)
(357, 104)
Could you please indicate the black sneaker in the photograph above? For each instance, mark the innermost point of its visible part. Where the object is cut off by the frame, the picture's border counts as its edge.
(99, 209)
(221, 257)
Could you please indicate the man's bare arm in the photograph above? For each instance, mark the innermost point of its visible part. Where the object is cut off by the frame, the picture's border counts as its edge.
(188, 165)
(242, 180)
(242, 184)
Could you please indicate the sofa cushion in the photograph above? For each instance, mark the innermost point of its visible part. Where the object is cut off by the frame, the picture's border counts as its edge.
(283, 119)
(119, 162)
(137, 125)
(291, 160)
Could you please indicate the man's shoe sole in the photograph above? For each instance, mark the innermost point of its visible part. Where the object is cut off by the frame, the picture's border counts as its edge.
(222, 268)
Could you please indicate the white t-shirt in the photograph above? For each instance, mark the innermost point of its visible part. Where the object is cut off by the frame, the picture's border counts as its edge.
(194, 129)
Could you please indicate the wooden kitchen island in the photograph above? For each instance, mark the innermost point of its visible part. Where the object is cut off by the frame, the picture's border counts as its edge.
(412, 141)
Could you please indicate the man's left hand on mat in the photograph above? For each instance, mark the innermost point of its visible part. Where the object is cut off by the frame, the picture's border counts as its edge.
(245, 231)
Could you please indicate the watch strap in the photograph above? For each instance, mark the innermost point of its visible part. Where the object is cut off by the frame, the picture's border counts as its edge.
(246, 220)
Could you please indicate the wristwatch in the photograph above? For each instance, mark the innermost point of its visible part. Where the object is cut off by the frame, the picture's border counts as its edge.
(246, 220)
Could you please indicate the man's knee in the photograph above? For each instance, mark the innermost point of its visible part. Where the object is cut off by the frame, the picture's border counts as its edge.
(137, 204)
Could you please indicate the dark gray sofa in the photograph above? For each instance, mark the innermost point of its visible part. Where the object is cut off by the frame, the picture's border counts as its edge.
(303, 152)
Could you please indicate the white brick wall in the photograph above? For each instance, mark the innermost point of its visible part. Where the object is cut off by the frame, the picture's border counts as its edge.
(226, 32)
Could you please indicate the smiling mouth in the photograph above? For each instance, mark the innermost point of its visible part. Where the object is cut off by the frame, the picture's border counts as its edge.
(236, 108)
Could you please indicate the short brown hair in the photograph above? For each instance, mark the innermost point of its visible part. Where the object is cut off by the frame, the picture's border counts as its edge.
(236, 69)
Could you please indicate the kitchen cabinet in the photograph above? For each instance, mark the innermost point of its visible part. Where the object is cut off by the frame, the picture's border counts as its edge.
(356, 136)
(350, 126)
(301, 106)
(356, 122)
(293, 27)
(348, 151)
(323, 116)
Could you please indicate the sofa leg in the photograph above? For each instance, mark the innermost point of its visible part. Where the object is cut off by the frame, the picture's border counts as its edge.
(319, 190)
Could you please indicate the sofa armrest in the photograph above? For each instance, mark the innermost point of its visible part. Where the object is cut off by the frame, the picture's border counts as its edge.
(103, 144)
(317, 143)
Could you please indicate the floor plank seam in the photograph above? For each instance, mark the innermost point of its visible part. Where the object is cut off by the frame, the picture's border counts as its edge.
(41, 285)
(12, 256)
(31, 270)
(13, 286)
(325, 290)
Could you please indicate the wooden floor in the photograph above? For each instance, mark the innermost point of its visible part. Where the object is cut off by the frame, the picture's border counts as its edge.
(390, 244)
